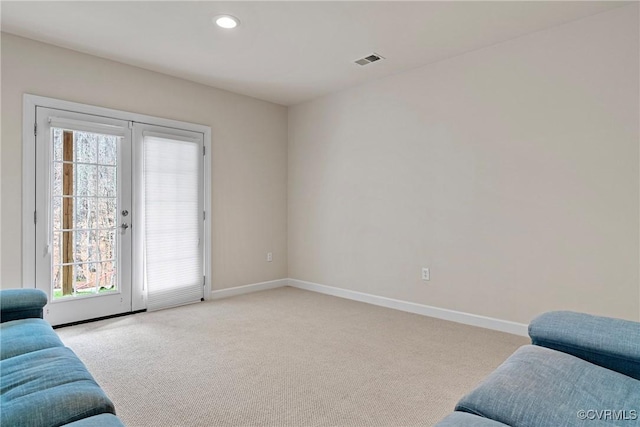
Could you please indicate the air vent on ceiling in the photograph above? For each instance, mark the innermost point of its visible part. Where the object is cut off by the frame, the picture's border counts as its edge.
(369, 59)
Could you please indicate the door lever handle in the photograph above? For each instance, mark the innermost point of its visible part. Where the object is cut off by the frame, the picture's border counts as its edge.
(124, 226)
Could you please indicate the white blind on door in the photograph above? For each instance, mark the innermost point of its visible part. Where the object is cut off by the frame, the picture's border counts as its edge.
(173, 269)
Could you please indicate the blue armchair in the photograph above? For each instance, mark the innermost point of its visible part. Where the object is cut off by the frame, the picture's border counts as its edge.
(42, 382)
(18, 304)
(580, 370)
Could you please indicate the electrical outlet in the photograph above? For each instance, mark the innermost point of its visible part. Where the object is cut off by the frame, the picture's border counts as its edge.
(425, 274)
(269, 256)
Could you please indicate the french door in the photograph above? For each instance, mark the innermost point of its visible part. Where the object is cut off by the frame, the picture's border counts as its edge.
(120, 215)
(83, 203)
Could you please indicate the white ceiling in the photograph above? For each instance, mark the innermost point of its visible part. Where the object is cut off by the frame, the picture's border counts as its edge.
(284, 52)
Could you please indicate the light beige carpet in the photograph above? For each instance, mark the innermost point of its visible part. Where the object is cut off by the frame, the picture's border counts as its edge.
(285, 357)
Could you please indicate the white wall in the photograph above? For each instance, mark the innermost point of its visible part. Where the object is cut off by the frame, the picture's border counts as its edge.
(512, 172)
(249, 161)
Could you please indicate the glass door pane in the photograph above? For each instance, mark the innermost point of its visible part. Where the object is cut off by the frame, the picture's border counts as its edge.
(84, 204)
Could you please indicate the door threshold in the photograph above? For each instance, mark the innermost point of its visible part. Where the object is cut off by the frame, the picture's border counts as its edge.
(99, 318)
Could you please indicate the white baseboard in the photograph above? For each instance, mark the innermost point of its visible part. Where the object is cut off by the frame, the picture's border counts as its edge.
(255, 287)
(425, 310)
(410, 307)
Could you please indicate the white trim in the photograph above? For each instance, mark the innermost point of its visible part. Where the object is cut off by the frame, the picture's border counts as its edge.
(410, 307)
(28, 192)
(208, 186)
(247, 289)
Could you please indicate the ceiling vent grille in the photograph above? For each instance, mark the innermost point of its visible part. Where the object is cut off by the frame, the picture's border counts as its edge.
(369, 59)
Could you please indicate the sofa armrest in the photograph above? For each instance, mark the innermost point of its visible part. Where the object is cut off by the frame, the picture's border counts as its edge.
(18, 304)
(611, 343)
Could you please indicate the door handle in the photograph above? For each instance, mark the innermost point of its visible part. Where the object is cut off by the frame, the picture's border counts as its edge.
(124, 226)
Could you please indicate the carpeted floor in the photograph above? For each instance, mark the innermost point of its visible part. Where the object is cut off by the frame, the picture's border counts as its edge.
(285, 357)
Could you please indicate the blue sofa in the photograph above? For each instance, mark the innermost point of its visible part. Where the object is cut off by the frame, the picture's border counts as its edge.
(42, 382)
(580, 370)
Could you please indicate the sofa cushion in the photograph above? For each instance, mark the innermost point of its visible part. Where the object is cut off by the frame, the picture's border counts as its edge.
(24, 336)
(611, 343)
(464, 419)
(21, 304)
(102, 420)
(537, 386)
(49, 387)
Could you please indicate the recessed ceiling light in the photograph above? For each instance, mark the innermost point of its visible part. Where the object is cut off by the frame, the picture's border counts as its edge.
(226, 21)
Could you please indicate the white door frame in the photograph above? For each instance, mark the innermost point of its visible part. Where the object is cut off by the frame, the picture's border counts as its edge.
(30, 102)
